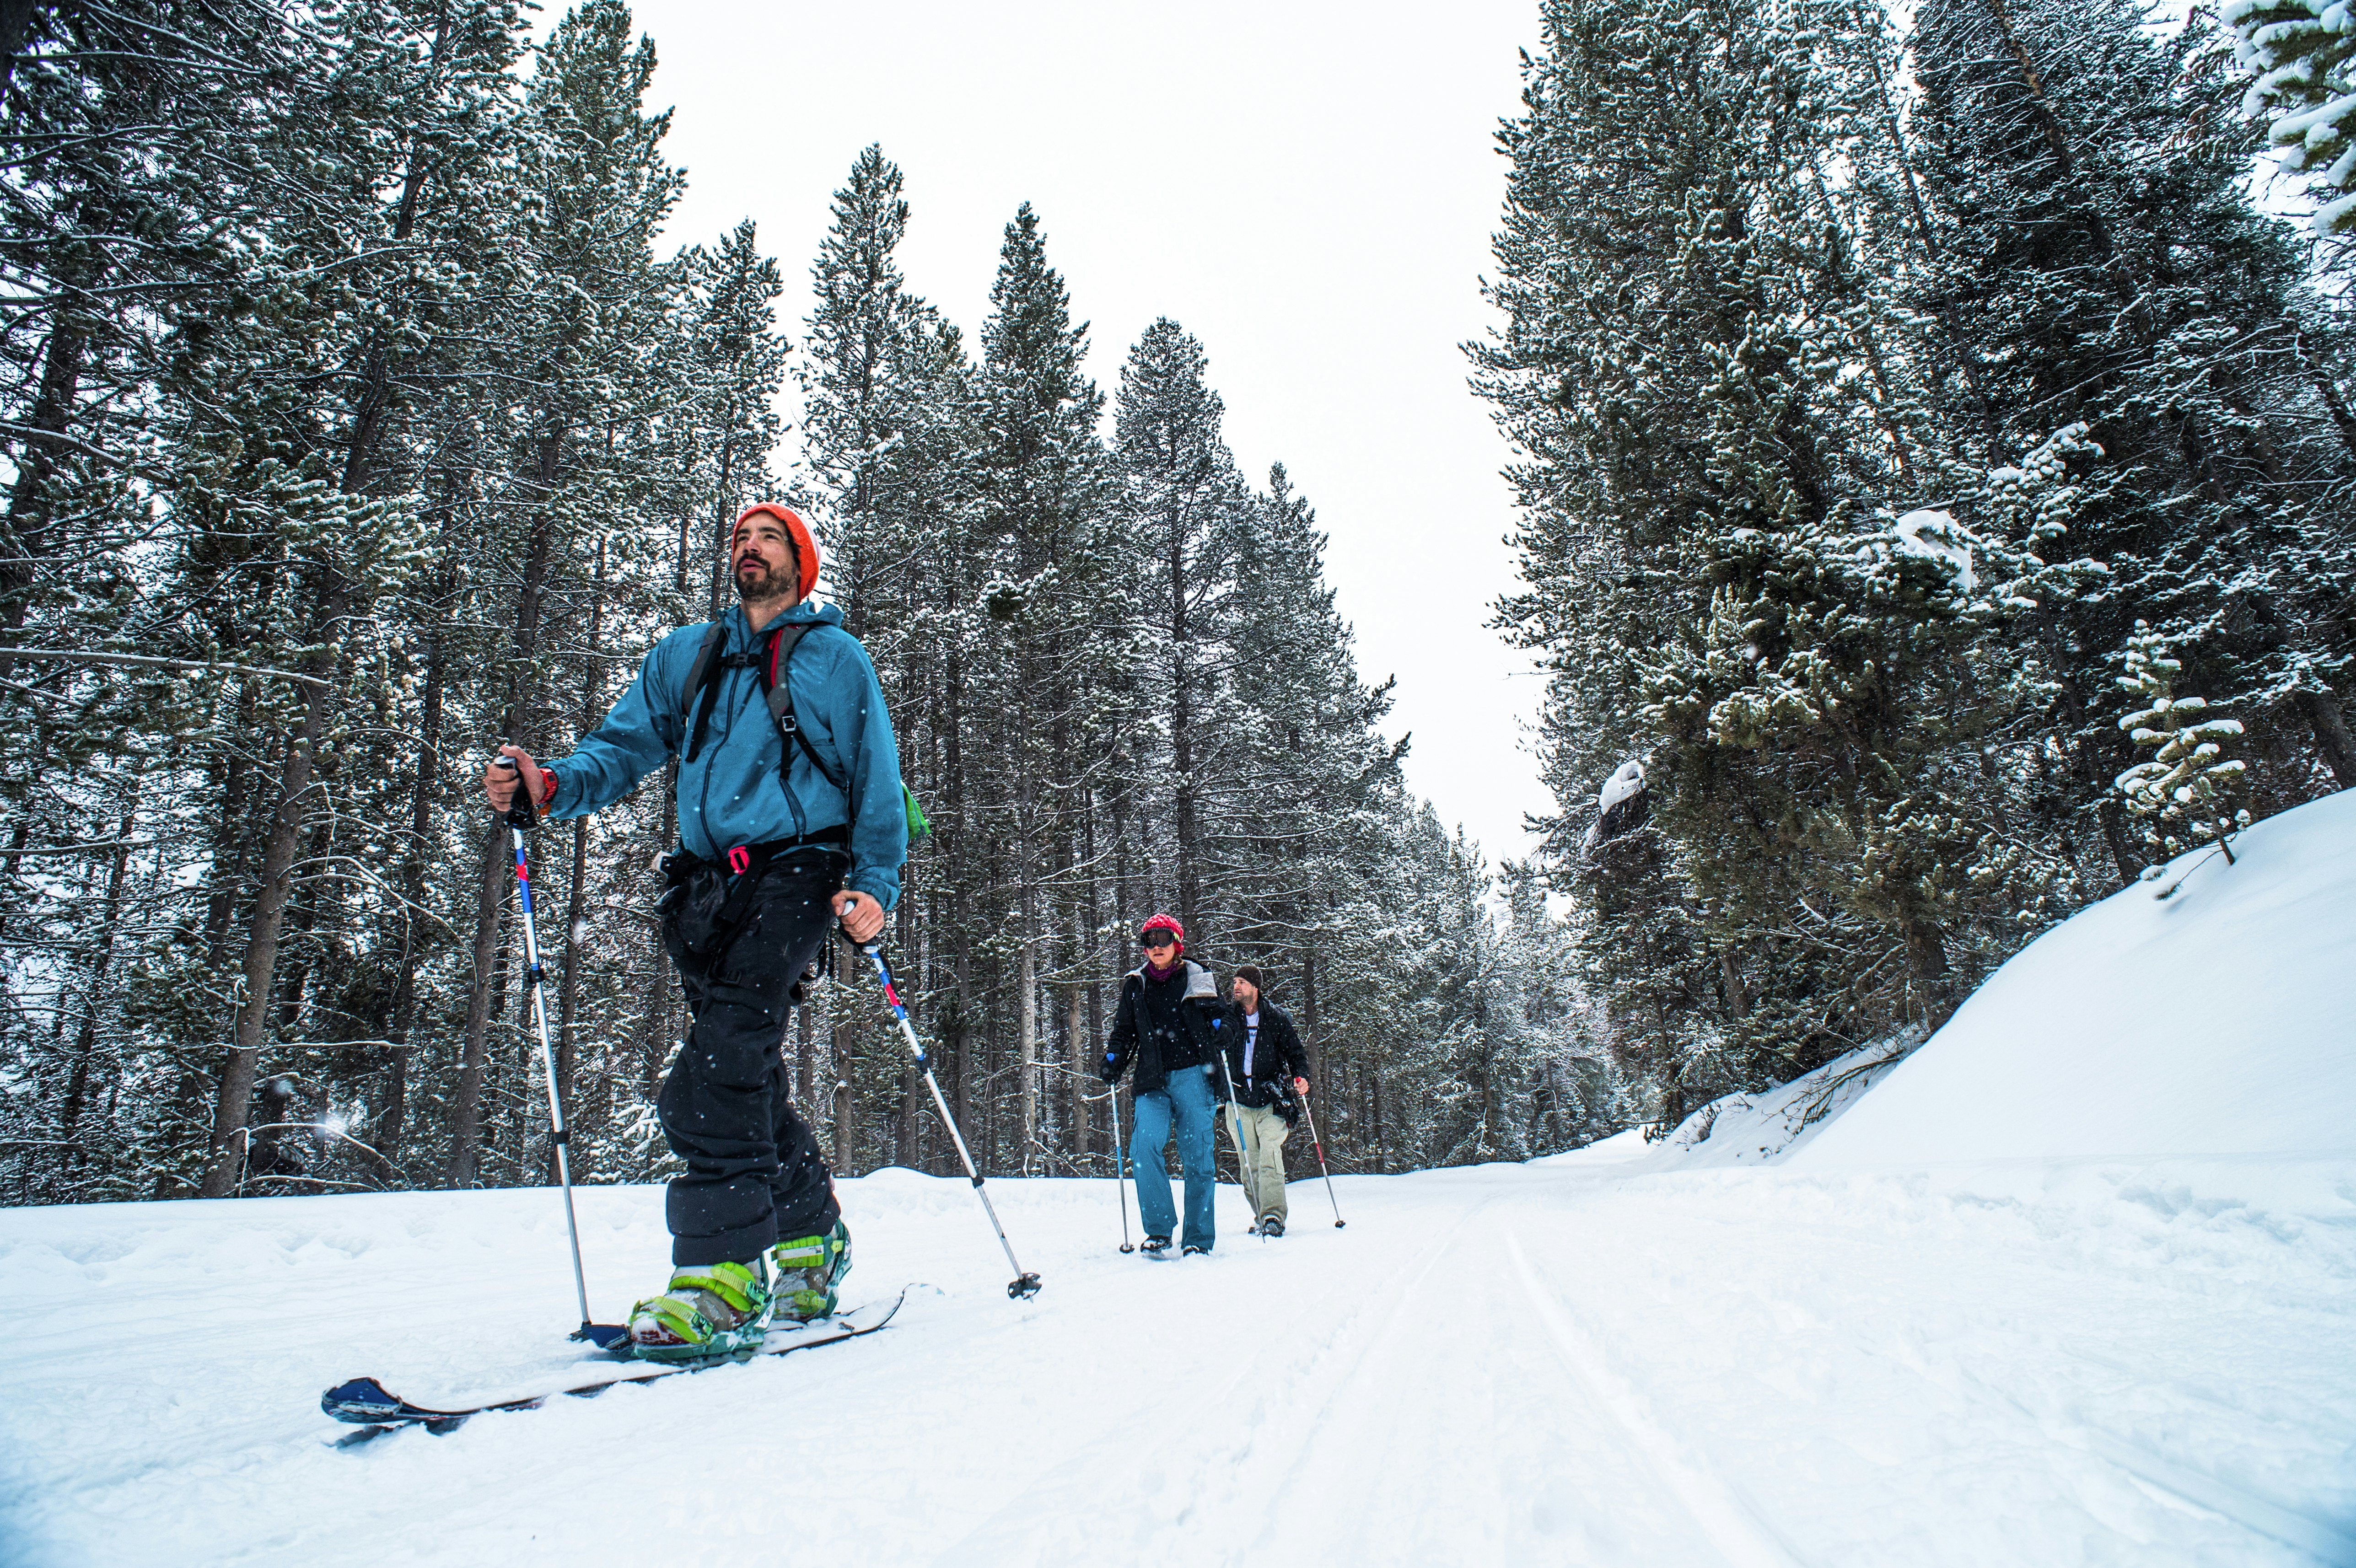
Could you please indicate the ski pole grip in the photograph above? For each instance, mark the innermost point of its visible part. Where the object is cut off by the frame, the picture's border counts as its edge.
(517, 814)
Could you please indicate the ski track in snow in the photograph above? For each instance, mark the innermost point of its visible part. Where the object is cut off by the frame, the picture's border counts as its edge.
(2025, 1362)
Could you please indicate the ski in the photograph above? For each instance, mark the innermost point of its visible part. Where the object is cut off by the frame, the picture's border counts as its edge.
(376, 1410)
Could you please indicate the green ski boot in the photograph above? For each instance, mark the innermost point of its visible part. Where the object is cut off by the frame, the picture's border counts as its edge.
(808, 1270)
(715, 1310)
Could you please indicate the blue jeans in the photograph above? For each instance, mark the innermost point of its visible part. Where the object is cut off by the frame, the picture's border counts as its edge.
(1187, 1095)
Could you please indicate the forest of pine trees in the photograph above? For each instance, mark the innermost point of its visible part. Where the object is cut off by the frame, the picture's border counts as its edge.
(1883, 404)
(357, 418)
(1888, 407)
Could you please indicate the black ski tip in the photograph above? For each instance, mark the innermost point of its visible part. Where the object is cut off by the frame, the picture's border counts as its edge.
(1023, 1287)
(362, 1399)
(604, 1336)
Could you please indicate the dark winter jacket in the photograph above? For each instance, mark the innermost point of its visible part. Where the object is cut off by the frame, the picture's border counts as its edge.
(1277, 1058)
(1164, 1024)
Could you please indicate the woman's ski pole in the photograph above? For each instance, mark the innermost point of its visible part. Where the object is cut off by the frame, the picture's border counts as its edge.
(1120, 1168)
(520, 822)
(1317, 1144)
(1023, 1286)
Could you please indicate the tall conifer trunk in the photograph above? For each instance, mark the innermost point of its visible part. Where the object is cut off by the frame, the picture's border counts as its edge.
(276, 885)
(86, 1041)
(491, 891)
(1182, 730)
(576, 892)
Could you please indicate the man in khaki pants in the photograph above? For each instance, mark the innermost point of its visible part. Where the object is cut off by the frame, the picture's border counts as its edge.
(1270, 1073)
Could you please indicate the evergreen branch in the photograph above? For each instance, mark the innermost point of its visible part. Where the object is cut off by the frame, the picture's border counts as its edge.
(58, 438)
(311, 680)
(83, 849)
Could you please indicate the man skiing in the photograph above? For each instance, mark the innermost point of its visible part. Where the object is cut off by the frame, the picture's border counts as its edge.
(1169, 1022)
(1267, 1068)
(791, 817)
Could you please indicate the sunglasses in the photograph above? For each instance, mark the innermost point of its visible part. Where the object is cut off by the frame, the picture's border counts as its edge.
(1158, 939)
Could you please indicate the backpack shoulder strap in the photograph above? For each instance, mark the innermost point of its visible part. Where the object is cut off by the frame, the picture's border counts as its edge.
(782, 643)
(703, 684)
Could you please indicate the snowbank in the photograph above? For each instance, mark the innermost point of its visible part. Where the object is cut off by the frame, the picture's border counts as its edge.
(2220, 1020)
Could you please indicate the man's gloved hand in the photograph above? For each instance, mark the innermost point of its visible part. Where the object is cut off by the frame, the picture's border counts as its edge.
(1110, 1071)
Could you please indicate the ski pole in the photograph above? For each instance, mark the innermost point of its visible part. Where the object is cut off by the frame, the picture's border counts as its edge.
(1235, 1130)
(1023, 1286)
(1310, 1117)
(1120, 1168)
(519, 820)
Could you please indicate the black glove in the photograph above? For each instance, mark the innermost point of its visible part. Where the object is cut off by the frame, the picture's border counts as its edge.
(1110, 1071)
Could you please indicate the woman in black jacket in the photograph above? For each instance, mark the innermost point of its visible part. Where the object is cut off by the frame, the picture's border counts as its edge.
(1169, 1022)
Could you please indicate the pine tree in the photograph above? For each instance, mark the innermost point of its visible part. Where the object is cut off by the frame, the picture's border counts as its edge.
(1300, 746)
(1180, 498)
(2300, 63)
(2188, 773)
(337, 535)
(2098, 260)
(1724, 412)
(890, 438)
(1051, 598)
(594, 308)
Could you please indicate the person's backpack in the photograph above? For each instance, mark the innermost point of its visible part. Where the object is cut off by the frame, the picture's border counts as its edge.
(771, 665)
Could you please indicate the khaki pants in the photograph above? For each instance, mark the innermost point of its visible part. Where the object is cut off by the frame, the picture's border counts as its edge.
(1258, 1133)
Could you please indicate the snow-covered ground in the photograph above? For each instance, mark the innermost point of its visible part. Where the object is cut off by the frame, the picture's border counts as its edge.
(2124, 1331)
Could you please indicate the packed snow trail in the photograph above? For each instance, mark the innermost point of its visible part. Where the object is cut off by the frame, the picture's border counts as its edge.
(1989, 1305)
(1560, 1363)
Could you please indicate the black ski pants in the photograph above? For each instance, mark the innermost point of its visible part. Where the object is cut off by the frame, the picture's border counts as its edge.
(753, 1172)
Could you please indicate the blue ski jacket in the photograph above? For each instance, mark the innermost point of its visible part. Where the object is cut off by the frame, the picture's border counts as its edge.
(733, 793)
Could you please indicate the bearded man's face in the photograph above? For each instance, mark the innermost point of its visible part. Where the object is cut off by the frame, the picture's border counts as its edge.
(763, 561)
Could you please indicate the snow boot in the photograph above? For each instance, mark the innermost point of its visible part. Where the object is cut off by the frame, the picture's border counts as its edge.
(1271, 1226)
(808, 1268)
(1191, 1250)
(1155, 1246)
(710, 1309)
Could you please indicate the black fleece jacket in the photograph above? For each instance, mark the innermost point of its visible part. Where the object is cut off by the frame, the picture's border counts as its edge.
(1164, 1024)
(1277, 1056)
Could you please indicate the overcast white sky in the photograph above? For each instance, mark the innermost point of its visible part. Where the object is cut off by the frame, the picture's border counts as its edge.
(1308, 189)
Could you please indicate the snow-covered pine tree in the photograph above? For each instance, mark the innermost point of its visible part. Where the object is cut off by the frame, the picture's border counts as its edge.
(1574, 1091)
(1654, 172)
(1180, 497)
(586, 338)
(727, 368)
(901, 471)
(2184, 795)
(300, 527)
(1299, 753)
(2091, 257)
(1053, 600)
(2298, 58)
(1641, 132)
(130, 193)
(864, 392)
